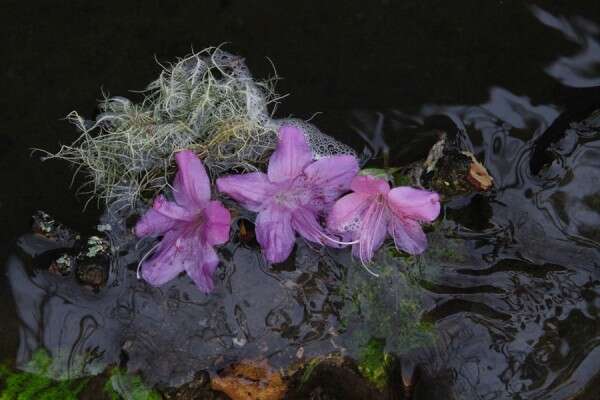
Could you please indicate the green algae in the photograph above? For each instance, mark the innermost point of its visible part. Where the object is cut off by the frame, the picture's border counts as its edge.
(21, 385)
(123, 385)
(402, 180)
(374, 361)
(382, 173)
(37, 383)
(308, 370)
(388, 307)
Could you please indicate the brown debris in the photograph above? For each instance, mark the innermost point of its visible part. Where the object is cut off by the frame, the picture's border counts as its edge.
(247, 234)
(334, 377)
(478, 175)
(250, 380)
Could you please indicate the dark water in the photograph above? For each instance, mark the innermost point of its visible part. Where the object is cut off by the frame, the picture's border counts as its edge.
(515, 303)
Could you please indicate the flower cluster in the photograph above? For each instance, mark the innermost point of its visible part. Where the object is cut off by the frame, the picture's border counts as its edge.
(297, 195)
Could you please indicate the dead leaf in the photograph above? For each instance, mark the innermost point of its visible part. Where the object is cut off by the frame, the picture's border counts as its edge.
(250, 380)
(478, 175)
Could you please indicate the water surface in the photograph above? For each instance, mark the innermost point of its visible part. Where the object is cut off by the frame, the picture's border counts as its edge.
(514, 303)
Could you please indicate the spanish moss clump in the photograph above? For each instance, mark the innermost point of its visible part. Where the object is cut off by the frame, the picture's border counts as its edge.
(207, 102)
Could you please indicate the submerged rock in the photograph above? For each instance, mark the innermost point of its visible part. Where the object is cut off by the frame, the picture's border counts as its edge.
(46, 226)
(88, 260)
(93, 263)
(198, 388)
(332, 378)
(92, 274)
(63, 265)
(451, 171)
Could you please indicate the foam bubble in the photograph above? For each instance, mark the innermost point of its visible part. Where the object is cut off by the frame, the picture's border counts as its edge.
(321, 144)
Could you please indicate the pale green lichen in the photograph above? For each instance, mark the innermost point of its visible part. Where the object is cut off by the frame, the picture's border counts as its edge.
(96, 245)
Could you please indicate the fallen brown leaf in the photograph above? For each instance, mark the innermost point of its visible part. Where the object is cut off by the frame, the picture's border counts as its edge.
(250, 380)
(478, 175)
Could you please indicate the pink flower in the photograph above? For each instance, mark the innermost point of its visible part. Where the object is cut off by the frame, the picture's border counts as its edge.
(373, 211)
(190, 227)
(294, 193)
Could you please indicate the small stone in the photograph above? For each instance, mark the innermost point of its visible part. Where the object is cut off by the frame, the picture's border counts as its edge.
(62, 265)
(96, 246)
(44, 225)
(92, 274)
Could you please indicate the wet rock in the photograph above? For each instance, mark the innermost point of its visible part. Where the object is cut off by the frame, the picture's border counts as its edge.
(93, 263)
(46, 226)
(342, 378)
(63, 265)
(331, 378)
(92, 274)
(452, 171)
(88, 260)
(95, 388)
(96, 246)
(198, 388)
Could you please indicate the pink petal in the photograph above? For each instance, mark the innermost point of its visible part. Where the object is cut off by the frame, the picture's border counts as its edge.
(369, 185)
(168, 260)
(421, 205)
(191, 186)
(172, 210)
(216, 223)
(372, 231)
(274, 233)
(201, 271)
(347, 212)
(332, 175)
(250, 190)
(290, 157)
(408, 235)
(305, 222)
(153, 223)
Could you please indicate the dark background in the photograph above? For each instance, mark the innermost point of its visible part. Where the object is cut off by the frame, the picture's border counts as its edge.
(334, 56)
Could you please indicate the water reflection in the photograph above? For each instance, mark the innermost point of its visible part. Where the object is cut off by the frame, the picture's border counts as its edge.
(517, 313)
(583, 68)
(169, 333)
